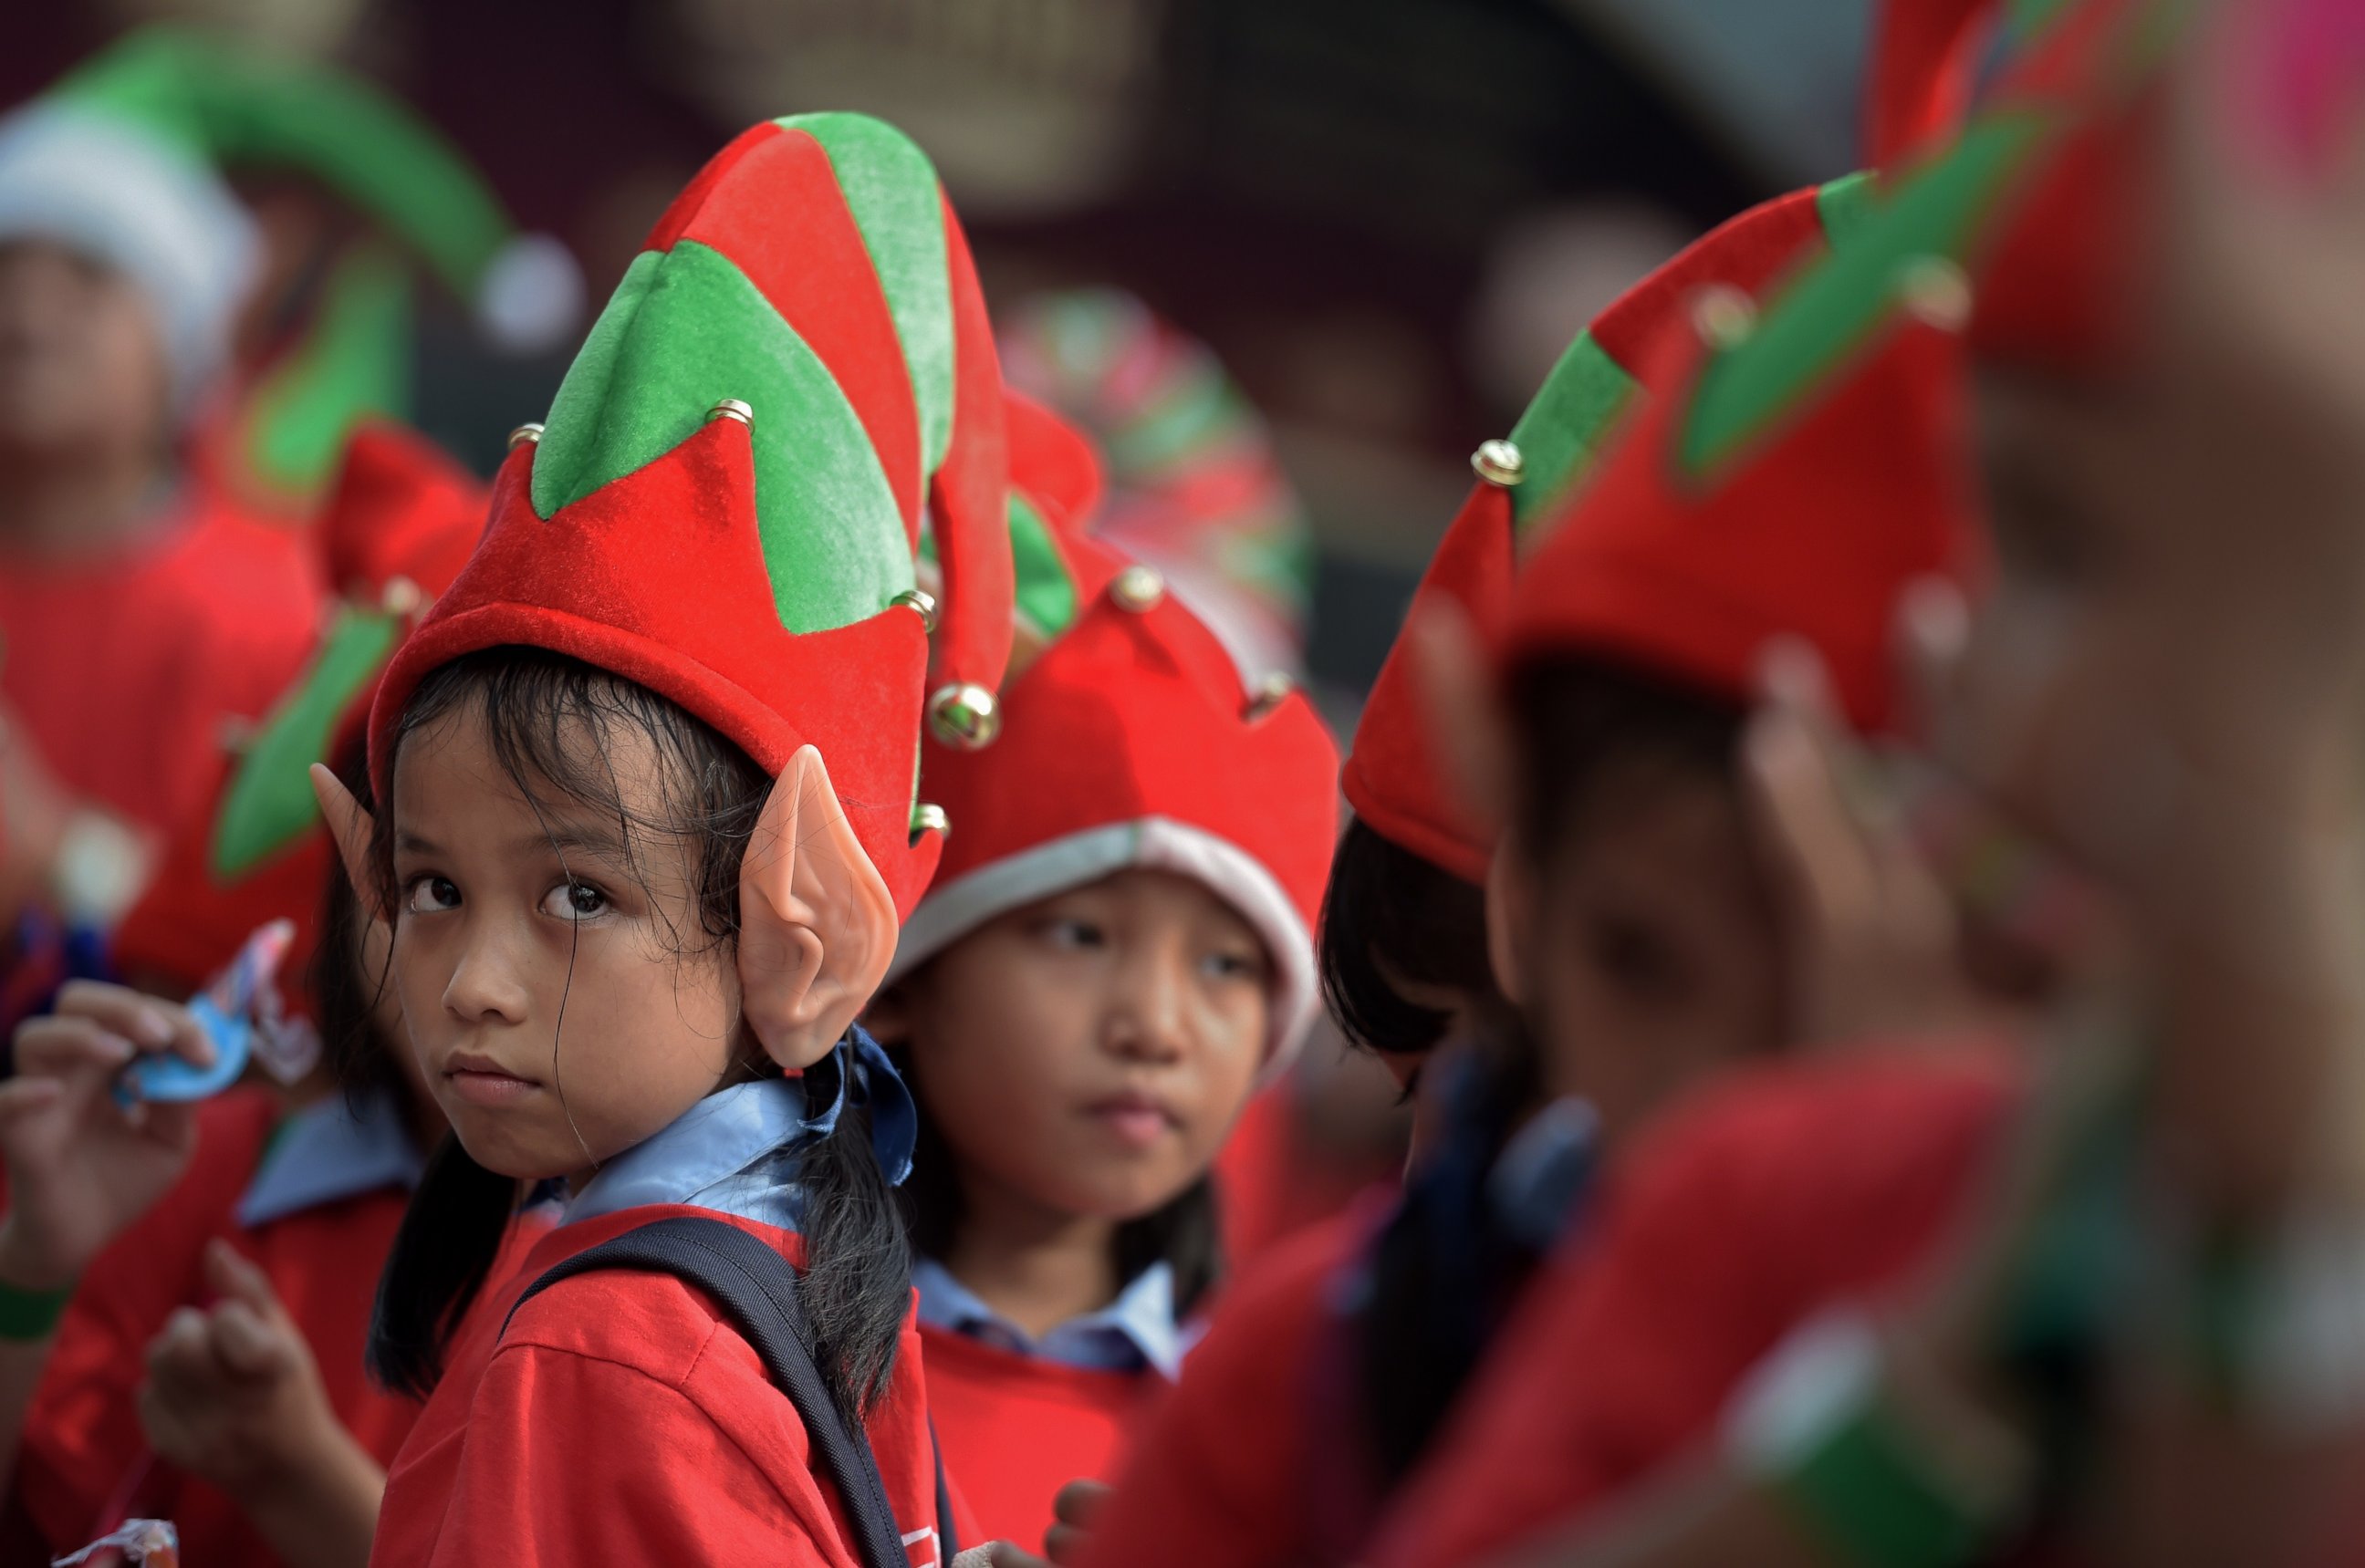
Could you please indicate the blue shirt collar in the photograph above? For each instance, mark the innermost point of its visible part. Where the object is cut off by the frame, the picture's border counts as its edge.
(330, 1151)
(734, 1150)
(1134, 1333)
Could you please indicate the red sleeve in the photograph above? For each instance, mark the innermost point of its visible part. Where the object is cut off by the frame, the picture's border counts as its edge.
(81, 1436)
(568, 1459)
(1219, 1474)
(1781, 1192)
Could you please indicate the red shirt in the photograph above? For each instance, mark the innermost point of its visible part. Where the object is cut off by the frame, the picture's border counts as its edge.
(1015, 1428)
(1777, 1192)
(84, 1465)
(1221, 1471)
(122, 666)
(620, 1420)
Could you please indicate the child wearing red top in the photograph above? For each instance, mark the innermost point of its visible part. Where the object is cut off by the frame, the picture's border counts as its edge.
(1117, 949)
(208, 1369)
(1669, 961)
(645, 833)
(124, 593)
(1906, 1311)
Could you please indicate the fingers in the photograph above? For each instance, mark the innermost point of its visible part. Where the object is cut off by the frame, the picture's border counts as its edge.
(24, 1096)
(59, 1047)
(149, 1022)
(1821, 850)
(238, 1281)
(1080, 1502)
(1933, 627)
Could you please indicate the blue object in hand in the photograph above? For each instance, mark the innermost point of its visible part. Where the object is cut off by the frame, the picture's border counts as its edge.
(174, 1080)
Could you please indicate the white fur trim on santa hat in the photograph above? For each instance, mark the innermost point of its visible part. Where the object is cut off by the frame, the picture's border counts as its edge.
(1156, 844)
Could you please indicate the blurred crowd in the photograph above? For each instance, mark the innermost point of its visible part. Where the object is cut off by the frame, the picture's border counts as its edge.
(794, 972)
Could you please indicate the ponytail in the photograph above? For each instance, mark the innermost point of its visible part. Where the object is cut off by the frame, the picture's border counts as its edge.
(858, 1276)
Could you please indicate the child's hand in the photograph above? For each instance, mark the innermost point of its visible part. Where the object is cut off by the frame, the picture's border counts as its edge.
(1871, 935)
(82, 1166)
(233, 1395)
(1074, 1510)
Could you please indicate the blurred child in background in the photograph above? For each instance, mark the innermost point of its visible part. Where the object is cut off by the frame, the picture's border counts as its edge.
(1117, 948)
(188, 1288)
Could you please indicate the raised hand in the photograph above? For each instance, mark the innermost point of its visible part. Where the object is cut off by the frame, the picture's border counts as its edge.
(81, 1166)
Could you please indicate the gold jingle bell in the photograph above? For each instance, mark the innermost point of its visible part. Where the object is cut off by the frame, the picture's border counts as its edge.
(921, 600)
(731, 409)
(1138, 588)
(930, 818)
(1723, 316)
(965, 717)
(1935, 292)
(1269, 693)
(525, 435)
(1499, 463)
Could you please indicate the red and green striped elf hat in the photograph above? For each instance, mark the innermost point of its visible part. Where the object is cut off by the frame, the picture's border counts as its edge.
(1392, 777)
(1813, 468)
(1134, 739)
(795, 378)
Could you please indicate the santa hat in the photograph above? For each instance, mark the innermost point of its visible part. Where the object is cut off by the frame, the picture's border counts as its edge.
(1132, 740)
(141, 204)
(726, 505)
(399, 522)
(236, 108)
(1393, 778)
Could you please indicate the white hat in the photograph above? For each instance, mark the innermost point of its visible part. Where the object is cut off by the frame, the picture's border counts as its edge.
(143, 206)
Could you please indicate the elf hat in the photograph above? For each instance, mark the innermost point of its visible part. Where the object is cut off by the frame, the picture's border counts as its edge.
(726, 504)
(1133, 741)
(140, 203)
(240, 108)
(400, 521)
(1392, 778)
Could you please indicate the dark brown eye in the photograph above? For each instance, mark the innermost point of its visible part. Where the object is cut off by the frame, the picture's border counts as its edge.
(1637, 958)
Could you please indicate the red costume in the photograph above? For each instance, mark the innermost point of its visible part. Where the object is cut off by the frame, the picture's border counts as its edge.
(123, 667)
(618, 1419)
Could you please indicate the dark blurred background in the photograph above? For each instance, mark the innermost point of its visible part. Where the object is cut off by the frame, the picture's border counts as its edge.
(1387, 217)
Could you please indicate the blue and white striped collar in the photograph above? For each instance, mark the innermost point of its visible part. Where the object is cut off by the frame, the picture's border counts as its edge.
(1136, 1332)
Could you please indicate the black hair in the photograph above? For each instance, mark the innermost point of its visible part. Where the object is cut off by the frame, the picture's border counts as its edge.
(1592, 736)
(345, 999)
(1390, 916)
(1185, 1233)
(548, 719)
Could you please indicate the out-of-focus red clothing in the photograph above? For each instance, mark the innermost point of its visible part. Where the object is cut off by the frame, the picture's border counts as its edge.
(121, 667)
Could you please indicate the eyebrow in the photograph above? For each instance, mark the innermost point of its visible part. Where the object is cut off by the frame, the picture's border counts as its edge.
(567, 836)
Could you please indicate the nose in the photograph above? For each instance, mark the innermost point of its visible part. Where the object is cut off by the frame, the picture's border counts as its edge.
(487, 983)
(1150, 1016)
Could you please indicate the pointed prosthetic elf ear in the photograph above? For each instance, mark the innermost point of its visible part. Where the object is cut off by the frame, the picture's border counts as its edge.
(351, 826)
(816, 921)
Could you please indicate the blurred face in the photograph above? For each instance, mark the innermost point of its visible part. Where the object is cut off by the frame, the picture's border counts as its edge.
(535, 959)
(2164, 679)
(1088, 1054)
(82, 364)
(1649, 951)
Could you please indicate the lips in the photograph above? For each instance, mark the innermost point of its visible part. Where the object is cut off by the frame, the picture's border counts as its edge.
(481, 1080)
(1135, 1119)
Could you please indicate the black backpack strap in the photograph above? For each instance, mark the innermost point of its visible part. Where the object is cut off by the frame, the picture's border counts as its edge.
(757, 1289)
(948, 1537)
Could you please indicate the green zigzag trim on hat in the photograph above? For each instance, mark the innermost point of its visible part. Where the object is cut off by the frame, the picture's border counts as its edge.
(269, 802)
(1577, 405)
(684, 330)
(1047, 595)
(236, 106)
(1838, 305)
(891, 188)
(354, 361)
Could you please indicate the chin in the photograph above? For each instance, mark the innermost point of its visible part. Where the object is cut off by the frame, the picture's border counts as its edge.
(506, 1148)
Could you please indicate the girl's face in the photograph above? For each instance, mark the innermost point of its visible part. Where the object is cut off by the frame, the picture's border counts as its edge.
(1088, 1054)
(557, 1013)
(82, 364)
(1650, 952)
